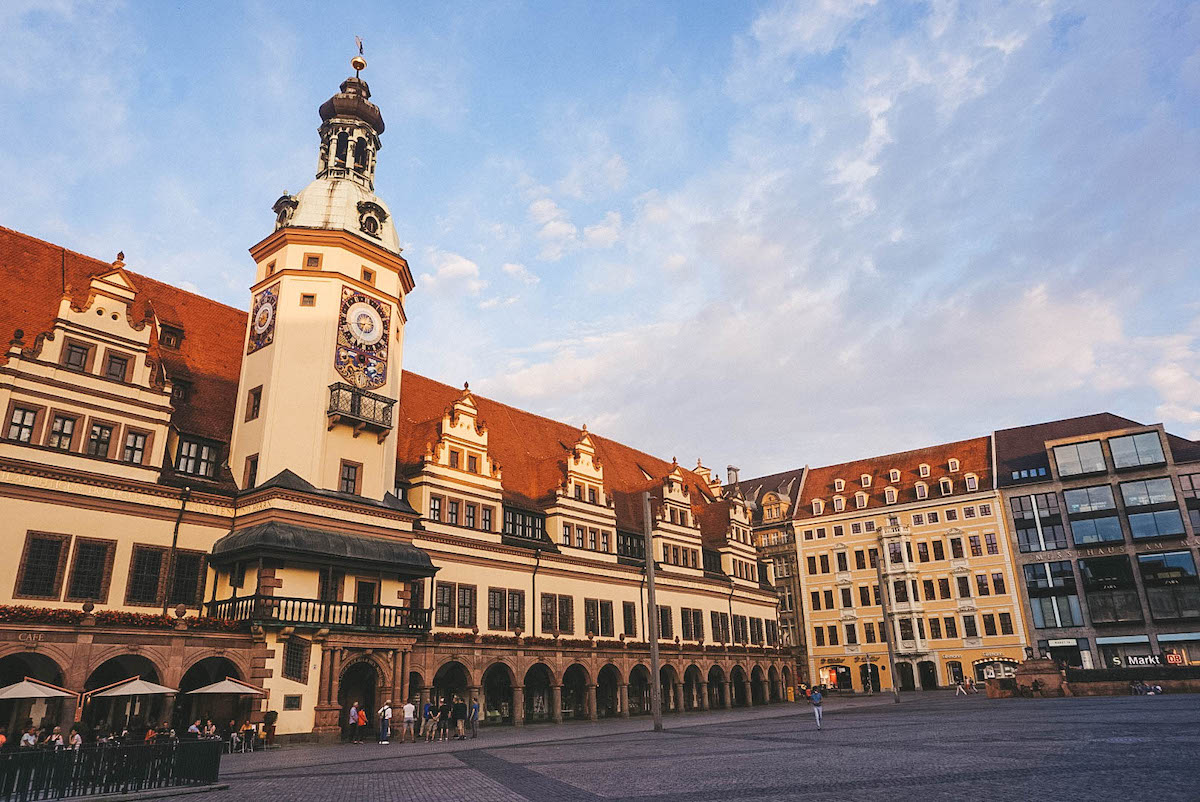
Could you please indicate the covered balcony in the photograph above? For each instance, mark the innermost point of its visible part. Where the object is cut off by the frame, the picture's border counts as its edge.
(363, 410)
(339, 615)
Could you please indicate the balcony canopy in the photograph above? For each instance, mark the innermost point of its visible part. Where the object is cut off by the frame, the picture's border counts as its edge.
(287, 541)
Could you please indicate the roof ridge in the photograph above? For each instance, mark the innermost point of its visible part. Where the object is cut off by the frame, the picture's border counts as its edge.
(903, 453)
(56, 246)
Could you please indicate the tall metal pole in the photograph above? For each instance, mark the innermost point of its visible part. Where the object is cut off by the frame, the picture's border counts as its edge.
(887, 620)
(652, 616)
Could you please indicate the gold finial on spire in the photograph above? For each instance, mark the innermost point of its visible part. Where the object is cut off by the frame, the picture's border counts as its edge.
(358, 62)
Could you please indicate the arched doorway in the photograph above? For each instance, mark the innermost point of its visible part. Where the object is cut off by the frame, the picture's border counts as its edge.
(868, 675)
(574, 692)
(359, 684)
(537, 693)
(416, 684)
(789, 690)
(993, 668)
(716, 688)
(773, 684)
(927, 674)
(737, 678)
(134, 713)
(497, 694)
(221, 709)
(905, 670)
(758, 690)
(451, 680)
(954, 672)
(608, 698)
(16, 714)
(639, 690)
(691, 688)
(667, 678)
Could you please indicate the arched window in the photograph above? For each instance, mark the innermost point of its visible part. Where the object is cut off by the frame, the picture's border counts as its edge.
(339, 156)
(360, 155)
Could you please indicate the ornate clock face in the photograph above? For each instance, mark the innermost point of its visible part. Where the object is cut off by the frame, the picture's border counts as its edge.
(262, 319)
(362, 340)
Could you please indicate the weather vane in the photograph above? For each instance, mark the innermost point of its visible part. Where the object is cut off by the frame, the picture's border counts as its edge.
(358, 62)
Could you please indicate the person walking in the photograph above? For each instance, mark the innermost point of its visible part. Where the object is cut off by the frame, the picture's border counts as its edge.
(385, 722)
(816, 700)
(959, 688)
(410, 715)
(352, 720)
(474, 716)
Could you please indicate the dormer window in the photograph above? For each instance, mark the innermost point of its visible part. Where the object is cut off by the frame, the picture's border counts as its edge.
(865, 480)
(839, 485)
(180, 391)
(922, 490)
(889, 495)
(197, 458)
(170, 337)
(860, 500)
(894, 475)
(947, 487)
(818, 506)
(953, 465)
(839, 503)
(972, 482)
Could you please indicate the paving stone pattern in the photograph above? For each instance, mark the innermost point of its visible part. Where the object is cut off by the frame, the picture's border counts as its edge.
(930, 747)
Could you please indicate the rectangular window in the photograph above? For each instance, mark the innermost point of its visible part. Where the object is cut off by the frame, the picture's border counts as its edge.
(497, 608)
(99, 439)
(935, 629)
(196, 458)
(591, 617)
(819, 636)
(1006, 625)
(923, 552)
(989, 624)
(549, 613)
(970, 630)
(1052, 598)
(1110, 589)
(860, 559)
(308, 299)
(41, 572)
(187, 579)
(824, 558)
(75, 356)
(989, 539)
(443, 604)
(969, 512)
(900, 591)
(466, 605)
(593, 539)
(61, 433)
(832, 632)
(812, 565)
(452, 512)
(606, 618)
(1079, 458)
(1135, 450)
(976, 546)
(435, 508)
(516, 610)
(20, 427)
(665, 631)
(91, 568)
(998, 583)
(829, 599)
(928, 588)
(579, 535)
(1147, 492)
(629, 619)
(453, 459)
(981, 584)
(906, 629)
(851, 634)
(472, 463)
(685, 623)
(842, 563)
(869, 631)
(254, 403)
(873, 557)
(348, 481)
(566, 615)
(816, 600)
(145, 575)
(293, 701)
(951, 515)
(964, 587)
(295, 659)
(1172, 587)
(944, 588)
(1089, 499)
(956, 548)
(485, 517)
(939, 550)
(864, 595)
(847, 598)
(951, 627)
(1161, 523)
(919, 519)
(135, 448)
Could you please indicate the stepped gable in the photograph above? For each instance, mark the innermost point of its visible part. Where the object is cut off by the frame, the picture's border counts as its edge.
(974, 456)
(530, 450)
(34, 272)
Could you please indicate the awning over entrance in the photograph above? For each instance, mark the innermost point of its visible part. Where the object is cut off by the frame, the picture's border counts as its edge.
(1113, 640)
(288, 541)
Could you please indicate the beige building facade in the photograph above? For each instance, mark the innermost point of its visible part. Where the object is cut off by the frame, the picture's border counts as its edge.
(190, 492)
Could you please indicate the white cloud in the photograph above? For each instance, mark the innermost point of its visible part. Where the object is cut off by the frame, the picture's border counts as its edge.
(498, 302)
(605, 233)
(557, 233)
(520, 272)
(452, 272)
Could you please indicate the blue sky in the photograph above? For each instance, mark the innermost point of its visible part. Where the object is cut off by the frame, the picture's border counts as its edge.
(759, 233)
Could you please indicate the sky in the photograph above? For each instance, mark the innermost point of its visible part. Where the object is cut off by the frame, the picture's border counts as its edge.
(763, 234)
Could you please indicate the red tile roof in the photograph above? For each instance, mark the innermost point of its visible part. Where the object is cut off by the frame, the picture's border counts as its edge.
(974, 456)
(531, 449)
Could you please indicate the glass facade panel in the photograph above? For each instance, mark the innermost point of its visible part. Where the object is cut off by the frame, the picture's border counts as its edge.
(1136, 449)
(1096, 530)
(1145, 492)
(1164, 523)
(1079, 458)
(1171, 584)
(1089, 499)
(1111, 592)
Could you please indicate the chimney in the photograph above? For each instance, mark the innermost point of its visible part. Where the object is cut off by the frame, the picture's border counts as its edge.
(732, 471)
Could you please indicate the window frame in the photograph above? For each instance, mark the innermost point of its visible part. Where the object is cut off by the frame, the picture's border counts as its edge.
(64, 547)
(106, 570)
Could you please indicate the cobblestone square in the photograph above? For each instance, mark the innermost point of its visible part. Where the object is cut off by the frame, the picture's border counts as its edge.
(932, 746)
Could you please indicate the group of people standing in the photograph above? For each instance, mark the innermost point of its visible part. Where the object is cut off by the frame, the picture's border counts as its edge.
(433, 722)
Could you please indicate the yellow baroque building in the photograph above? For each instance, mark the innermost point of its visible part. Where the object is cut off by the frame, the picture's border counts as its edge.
(908, 546)
(189, 492)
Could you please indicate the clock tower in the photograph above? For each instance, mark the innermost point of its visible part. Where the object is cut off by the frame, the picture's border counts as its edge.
(321, 367)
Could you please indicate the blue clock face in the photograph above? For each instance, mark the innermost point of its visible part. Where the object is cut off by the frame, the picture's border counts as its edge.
(262, 319)
(362, 340)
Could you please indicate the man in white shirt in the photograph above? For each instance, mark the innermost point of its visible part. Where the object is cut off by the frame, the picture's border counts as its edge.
(29, 738)
(410, 716)
(385, 722)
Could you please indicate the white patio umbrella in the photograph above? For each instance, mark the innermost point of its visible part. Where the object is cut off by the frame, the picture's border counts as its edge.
(230, 686)
(134, 686)
(33, 689)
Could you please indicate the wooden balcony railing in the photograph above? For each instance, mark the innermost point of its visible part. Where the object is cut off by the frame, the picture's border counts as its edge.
(284, 611)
